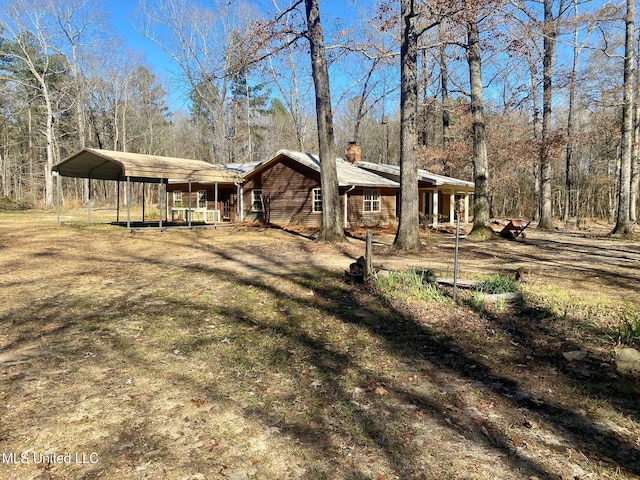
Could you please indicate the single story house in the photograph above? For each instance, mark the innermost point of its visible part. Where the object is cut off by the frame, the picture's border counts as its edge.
(439, 196)
(286, 190)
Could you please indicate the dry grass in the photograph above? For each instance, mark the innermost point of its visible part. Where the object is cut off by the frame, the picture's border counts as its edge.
(241, 353)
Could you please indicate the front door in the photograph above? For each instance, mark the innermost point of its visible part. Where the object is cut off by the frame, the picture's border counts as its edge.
(229, 208)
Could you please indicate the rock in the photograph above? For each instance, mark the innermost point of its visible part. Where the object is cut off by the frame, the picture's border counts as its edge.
(628, 361)
(575, 355)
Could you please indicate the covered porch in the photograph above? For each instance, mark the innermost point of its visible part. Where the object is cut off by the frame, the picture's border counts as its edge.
(441, 205)
(210, 203)
(440, 197)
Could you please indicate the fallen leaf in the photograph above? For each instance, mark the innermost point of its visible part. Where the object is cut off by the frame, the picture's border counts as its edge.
(515, 439)
(420, 414)
(381, 391)
(212, 446)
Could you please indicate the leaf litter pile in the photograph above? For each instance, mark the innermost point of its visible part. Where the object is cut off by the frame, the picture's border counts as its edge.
(241, 353)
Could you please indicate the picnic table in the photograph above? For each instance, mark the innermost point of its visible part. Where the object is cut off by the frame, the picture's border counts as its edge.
(515, 228)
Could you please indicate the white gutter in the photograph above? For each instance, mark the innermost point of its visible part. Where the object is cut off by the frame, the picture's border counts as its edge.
(346, 222)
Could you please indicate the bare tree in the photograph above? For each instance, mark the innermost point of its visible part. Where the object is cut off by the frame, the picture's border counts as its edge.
(332, 230)
(635, 159)
(550, 35)
(290, 88)
(27, 25)
(623, 222)
(480, 163)
(78, 20)
(202, 42)
(407, 237)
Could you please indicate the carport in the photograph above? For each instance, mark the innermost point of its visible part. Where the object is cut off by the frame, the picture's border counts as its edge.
(96, 164)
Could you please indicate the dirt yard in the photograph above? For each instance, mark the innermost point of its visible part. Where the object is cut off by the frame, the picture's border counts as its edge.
(241, 353)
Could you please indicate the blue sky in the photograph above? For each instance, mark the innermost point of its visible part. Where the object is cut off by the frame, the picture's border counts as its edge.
(122, 14)
(334, 14)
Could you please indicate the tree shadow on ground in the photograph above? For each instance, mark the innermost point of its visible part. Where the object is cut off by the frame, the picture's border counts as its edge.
(410, 341)
(349, 397)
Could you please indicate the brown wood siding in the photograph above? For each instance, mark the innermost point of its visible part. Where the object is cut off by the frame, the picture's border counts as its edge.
(289, 186)
(357, 215)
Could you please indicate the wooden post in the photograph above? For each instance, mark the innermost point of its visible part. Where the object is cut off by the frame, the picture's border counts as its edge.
(368, 267)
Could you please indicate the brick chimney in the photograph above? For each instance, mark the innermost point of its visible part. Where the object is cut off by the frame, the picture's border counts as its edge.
(353, 154)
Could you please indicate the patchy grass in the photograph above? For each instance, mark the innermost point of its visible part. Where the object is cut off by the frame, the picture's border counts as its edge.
(242, 354)
(407, 285)
(497, 283)
(628, 330)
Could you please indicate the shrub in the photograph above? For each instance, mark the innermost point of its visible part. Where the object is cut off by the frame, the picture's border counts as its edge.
(8, 204)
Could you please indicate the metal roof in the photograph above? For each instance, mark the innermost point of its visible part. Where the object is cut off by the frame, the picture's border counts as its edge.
(348, 174)
(242, 168)
(423, 175)
(111, 165)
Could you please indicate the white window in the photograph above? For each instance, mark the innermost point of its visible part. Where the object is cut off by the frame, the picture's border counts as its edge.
(317, 200)
(372, 200)
(202, 199)
(256, 200)
(177, 197)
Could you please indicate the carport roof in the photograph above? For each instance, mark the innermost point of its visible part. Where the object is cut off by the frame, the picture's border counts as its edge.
(111, 165)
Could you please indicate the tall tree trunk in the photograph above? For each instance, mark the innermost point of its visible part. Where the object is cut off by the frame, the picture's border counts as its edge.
(635, 158)
(549, 45)
(481, 205)
(444, 88)
(332, 230)
(50, 157)
(571, 125)
(536, 132)
(295, 110)
(623, 223)
(407, 236)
